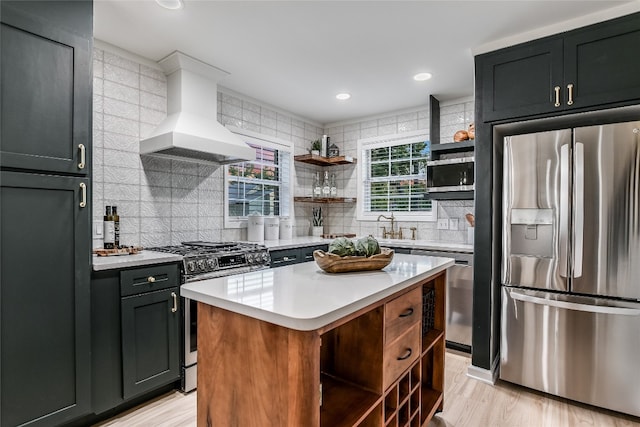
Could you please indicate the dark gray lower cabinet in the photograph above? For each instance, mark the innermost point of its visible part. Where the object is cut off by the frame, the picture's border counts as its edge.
(135, 333)
(280, 257)
(44, 300)
(150, 341)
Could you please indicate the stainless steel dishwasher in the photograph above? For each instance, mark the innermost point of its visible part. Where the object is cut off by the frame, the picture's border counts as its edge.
(459, 301)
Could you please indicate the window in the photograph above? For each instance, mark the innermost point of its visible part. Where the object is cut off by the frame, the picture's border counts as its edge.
(393, 170)
(262, 185)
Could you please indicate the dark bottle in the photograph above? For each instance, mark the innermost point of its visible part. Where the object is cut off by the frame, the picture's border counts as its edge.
(109, 229)
(116, 226)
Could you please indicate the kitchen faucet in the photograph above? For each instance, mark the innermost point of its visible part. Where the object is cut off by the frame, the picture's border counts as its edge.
(391, 233)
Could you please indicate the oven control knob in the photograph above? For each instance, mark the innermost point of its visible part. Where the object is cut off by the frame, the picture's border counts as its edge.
(249, 258)
(211, 263)
(191, 266)
(201, 264)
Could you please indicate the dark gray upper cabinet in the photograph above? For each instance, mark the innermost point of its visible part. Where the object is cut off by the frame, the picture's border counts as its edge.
(588, 67)
(45, 72)
(44, 301)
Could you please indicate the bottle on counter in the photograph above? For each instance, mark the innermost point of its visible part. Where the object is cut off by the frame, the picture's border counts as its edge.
(326, 187)
(116, 226)
(317, 187)
(108, 229)
(333, 190)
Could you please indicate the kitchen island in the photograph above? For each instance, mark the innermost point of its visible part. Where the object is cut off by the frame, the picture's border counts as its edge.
(295, 346)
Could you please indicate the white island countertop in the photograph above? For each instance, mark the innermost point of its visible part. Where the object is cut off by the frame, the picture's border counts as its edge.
(142, 258)
(303, 297)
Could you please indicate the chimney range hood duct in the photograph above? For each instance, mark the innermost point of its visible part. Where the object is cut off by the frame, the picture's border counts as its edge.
(191, 130)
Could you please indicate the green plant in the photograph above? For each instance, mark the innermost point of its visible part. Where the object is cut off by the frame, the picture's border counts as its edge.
(317, 216)
(315, 145)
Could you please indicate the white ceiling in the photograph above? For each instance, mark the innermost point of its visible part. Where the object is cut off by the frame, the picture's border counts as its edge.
(297, 55)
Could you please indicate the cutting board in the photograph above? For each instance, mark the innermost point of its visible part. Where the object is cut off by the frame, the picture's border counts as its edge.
(131, 250)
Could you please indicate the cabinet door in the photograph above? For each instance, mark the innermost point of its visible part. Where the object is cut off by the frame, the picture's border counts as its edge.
(150, 341)
(602, 63)
(520, 81)
(45, 72)
(45, 253)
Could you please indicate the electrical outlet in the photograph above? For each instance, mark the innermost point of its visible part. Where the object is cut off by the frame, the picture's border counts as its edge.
(453, 224)
(443, 224)
(97, 229)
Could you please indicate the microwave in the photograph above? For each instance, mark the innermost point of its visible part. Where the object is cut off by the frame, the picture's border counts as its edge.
(450, 175)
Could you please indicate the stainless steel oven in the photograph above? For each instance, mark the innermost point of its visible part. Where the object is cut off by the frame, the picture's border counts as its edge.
(207, 260)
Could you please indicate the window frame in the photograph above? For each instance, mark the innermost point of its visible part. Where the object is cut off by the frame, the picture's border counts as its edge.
(388, 141)
(286, 203)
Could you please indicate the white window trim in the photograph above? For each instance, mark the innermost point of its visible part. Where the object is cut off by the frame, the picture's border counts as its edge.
(266, 141)
(383, 141)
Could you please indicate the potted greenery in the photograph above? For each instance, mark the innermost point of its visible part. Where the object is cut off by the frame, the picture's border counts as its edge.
(316, 222)
(315, 147)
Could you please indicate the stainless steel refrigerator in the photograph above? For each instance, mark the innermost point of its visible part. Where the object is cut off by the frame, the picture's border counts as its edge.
(571, 264)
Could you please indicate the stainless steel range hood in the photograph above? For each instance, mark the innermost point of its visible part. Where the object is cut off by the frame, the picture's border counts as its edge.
(191, 130)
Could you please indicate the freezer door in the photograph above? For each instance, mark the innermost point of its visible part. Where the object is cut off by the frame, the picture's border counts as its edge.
(536, 210)
(606, 237)
(581, 348)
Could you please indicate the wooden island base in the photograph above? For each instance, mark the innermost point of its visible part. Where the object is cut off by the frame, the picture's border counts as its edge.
(375, 367)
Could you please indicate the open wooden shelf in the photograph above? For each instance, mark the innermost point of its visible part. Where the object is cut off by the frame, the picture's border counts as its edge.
(325, 199)
(344, 404)
(431, 400)
(324, 161)
(430, 339)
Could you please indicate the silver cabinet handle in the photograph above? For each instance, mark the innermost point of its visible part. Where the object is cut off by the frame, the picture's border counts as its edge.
(605, 309)
(83, 156)
(570, 90)
(175, 302)
(83, 195)
(557, 91)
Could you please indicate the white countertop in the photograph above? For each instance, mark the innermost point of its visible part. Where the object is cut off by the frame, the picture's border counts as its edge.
(298, 242)
(303, 297)
(101, 263)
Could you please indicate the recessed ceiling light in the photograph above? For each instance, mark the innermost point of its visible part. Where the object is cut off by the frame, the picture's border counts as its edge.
(171, 4)
(343, 96)
(420, 77)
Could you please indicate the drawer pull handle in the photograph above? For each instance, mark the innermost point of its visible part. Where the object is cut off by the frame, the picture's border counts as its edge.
(406, 355)
(408, 312)
(285, 258)
(570, 89)
(83, 195)
(557, 91)
(83, 156)
(175, 302)
(151, 279)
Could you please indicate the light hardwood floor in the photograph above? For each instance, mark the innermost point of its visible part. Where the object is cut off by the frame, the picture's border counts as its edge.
(468, 403)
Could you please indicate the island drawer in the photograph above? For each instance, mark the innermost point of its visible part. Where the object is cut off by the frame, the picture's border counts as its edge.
(400, 354)
(140, 280)
(401, 313)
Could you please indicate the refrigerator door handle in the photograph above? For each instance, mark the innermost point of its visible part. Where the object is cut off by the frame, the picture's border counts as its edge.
(578, 212)
(520, 296)
(563, 238)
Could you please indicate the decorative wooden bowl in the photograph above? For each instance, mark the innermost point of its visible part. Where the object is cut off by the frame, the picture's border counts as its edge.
(332, 263)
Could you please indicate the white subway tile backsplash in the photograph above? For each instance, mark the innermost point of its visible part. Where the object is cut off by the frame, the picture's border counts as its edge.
(268, 122)
(121, 76)
(98, 86)
(185, 168)
(185, 195)
(122, 109)
(121, 192)
(150, 240)
(154, 73)
(152, 101)
(155, 209)
(155, 225)
(229, 99)
(156, 87)
(98, 103)
(407, 126)
(387, 129)
(98, 69)
(153, 190)
(150, 116)
(121, 92)
(231, 110)
(153, 163)
(451, 109)
(119, 61)
(122, 125)
(117, 175)
(251, 117)
(121, 158)
(250, 106)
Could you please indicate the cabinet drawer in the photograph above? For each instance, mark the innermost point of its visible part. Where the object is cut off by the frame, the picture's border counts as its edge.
(284, 257)
(148, 279)
(401, 313)
(400, 354)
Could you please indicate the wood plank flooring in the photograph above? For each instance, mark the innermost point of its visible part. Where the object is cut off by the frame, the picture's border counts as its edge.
(468, 403)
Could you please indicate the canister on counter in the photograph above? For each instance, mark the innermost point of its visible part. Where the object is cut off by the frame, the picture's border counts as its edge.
(271, 227)
(286, 229)
(255, 227)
